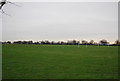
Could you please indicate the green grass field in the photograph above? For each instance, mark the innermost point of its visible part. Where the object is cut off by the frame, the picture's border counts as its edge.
(59, 62)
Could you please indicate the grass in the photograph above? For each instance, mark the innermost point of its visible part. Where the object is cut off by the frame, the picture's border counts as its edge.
(59, 62)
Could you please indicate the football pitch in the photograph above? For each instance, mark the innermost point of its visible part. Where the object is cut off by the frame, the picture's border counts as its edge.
(59, 62)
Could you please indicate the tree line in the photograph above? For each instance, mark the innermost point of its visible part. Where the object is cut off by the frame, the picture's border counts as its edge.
(69, 42)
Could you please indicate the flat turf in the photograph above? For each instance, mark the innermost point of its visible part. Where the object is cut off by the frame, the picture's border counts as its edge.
(59, 62)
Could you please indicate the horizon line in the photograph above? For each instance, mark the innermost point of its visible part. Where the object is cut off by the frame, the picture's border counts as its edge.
(111, 42)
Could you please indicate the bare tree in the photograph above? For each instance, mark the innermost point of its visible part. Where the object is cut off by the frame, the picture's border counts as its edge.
(91, 42)
(117, 42)
(84, 42)
(8, 42)
(103, 42)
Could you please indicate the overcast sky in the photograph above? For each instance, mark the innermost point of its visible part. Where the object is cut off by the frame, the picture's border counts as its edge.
(61, 21)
